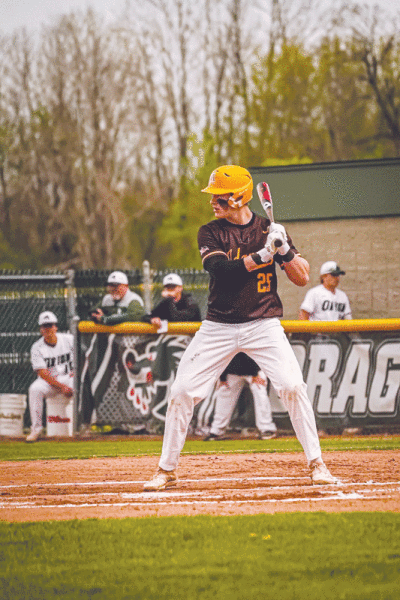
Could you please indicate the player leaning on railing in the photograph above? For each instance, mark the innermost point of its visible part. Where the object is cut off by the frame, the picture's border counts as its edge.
(240, 250)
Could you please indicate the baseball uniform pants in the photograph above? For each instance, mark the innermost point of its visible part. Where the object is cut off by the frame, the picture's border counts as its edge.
(227, 397)
(38, 392)
(210, 352)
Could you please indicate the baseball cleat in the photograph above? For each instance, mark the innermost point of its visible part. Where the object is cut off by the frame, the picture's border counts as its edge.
(320, 474)
(267, 435)
(214, 436)
(161, 481)
(33, 436)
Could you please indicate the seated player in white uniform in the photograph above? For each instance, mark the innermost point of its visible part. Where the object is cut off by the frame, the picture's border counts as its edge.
(52, 360)
(326, 302)
(241, 371)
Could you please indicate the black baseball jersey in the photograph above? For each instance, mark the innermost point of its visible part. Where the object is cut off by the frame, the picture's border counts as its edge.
(252, 295)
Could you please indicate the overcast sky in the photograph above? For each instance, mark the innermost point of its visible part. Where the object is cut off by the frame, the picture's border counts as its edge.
(32, 13)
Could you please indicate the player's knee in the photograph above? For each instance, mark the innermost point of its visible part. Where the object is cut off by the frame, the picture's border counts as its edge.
(293, 392)
(179, 393)
(36, 386)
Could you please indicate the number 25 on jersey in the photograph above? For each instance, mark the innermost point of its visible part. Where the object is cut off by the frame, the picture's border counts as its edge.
(264, 282)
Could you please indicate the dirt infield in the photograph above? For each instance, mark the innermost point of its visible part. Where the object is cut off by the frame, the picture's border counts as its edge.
(216, 485)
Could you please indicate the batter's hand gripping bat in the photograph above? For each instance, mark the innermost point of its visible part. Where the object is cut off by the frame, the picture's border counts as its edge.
(266, 202)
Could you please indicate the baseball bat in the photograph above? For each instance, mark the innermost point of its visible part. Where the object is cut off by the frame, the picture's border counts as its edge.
(266, 202)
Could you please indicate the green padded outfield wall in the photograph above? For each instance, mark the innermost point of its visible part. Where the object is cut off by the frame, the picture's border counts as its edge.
(339, 190)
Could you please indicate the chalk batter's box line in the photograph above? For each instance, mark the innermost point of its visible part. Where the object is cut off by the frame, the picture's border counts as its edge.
(199, 502)
(160, 497)
(123, 482)
(155, 497)
(197, 480)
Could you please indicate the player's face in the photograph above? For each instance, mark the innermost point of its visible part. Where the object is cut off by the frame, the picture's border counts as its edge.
(172, 291)
(117, 291)
(48, 331)
(220, 206)
(331, 281)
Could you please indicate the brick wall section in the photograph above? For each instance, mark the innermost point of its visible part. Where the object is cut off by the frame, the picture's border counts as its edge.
(367, 249)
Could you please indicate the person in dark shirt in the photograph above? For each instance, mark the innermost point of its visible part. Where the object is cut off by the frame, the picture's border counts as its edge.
(240, 250)
(242, 370)
(176, 305)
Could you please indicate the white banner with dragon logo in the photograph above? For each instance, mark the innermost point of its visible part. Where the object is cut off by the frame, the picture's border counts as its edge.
(352, 380)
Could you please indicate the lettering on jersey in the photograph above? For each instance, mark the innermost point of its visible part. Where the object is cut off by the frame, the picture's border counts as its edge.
(61, 359)
(329, 305)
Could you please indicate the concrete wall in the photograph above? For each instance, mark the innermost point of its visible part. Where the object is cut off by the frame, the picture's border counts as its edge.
(368, 249)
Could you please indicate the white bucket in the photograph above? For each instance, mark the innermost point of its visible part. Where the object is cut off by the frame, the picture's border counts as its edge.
(59, 416)
(12, 409)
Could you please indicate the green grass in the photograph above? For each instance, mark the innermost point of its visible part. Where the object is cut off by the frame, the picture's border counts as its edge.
(351, 556)
(50, 449)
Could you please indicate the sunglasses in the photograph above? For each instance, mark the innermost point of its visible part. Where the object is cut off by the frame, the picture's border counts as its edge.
(223, 203)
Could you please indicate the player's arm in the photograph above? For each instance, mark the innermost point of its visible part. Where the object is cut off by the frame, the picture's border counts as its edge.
(308, 306)
(304, 315)
(215, 259)
(297, 270)
(134, 312)
(279, 247)
(231, 272)
(188, 313)
(348, 314)
(61, 387)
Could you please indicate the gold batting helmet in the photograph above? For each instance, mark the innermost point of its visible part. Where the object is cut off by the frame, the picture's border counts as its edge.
(234, 180)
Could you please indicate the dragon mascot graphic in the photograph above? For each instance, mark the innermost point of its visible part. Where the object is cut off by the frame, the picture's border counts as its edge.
(127, 378)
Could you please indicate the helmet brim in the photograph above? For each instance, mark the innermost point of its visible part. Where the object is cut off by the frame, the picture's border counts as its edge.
(213, 190)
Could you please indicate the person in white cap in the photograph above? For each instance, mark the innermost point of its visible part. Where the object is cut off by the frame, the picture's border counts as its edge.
(52, 360)
(120, 304)
(176, 305)
(326, 302)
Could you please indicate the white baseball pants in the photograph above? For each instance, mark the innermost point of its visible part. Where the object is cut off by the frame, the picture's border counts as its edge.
(38, 392)
(227, 397)
(206, 357)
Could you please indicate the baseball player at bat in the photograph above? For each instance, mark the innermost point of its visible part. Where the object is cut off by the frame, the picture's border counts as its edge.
(238, 250)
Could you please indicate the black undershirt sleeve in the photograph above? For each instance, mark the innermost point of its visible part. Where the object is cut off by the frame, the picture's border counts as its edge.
(222, 268)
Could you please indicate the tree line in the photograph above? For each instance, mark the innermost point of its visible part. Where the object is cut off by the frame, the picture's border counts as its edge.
(108, 132)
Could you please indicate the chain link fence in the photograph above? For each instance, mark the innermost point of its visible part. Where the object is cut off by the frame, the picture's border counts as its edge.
(90, 286)
(24, 295)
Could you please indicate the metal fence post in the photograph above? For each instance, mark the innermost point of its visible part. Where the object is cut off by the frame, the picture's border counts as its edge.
(147, 285)
(71, 297)
(75, 398)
